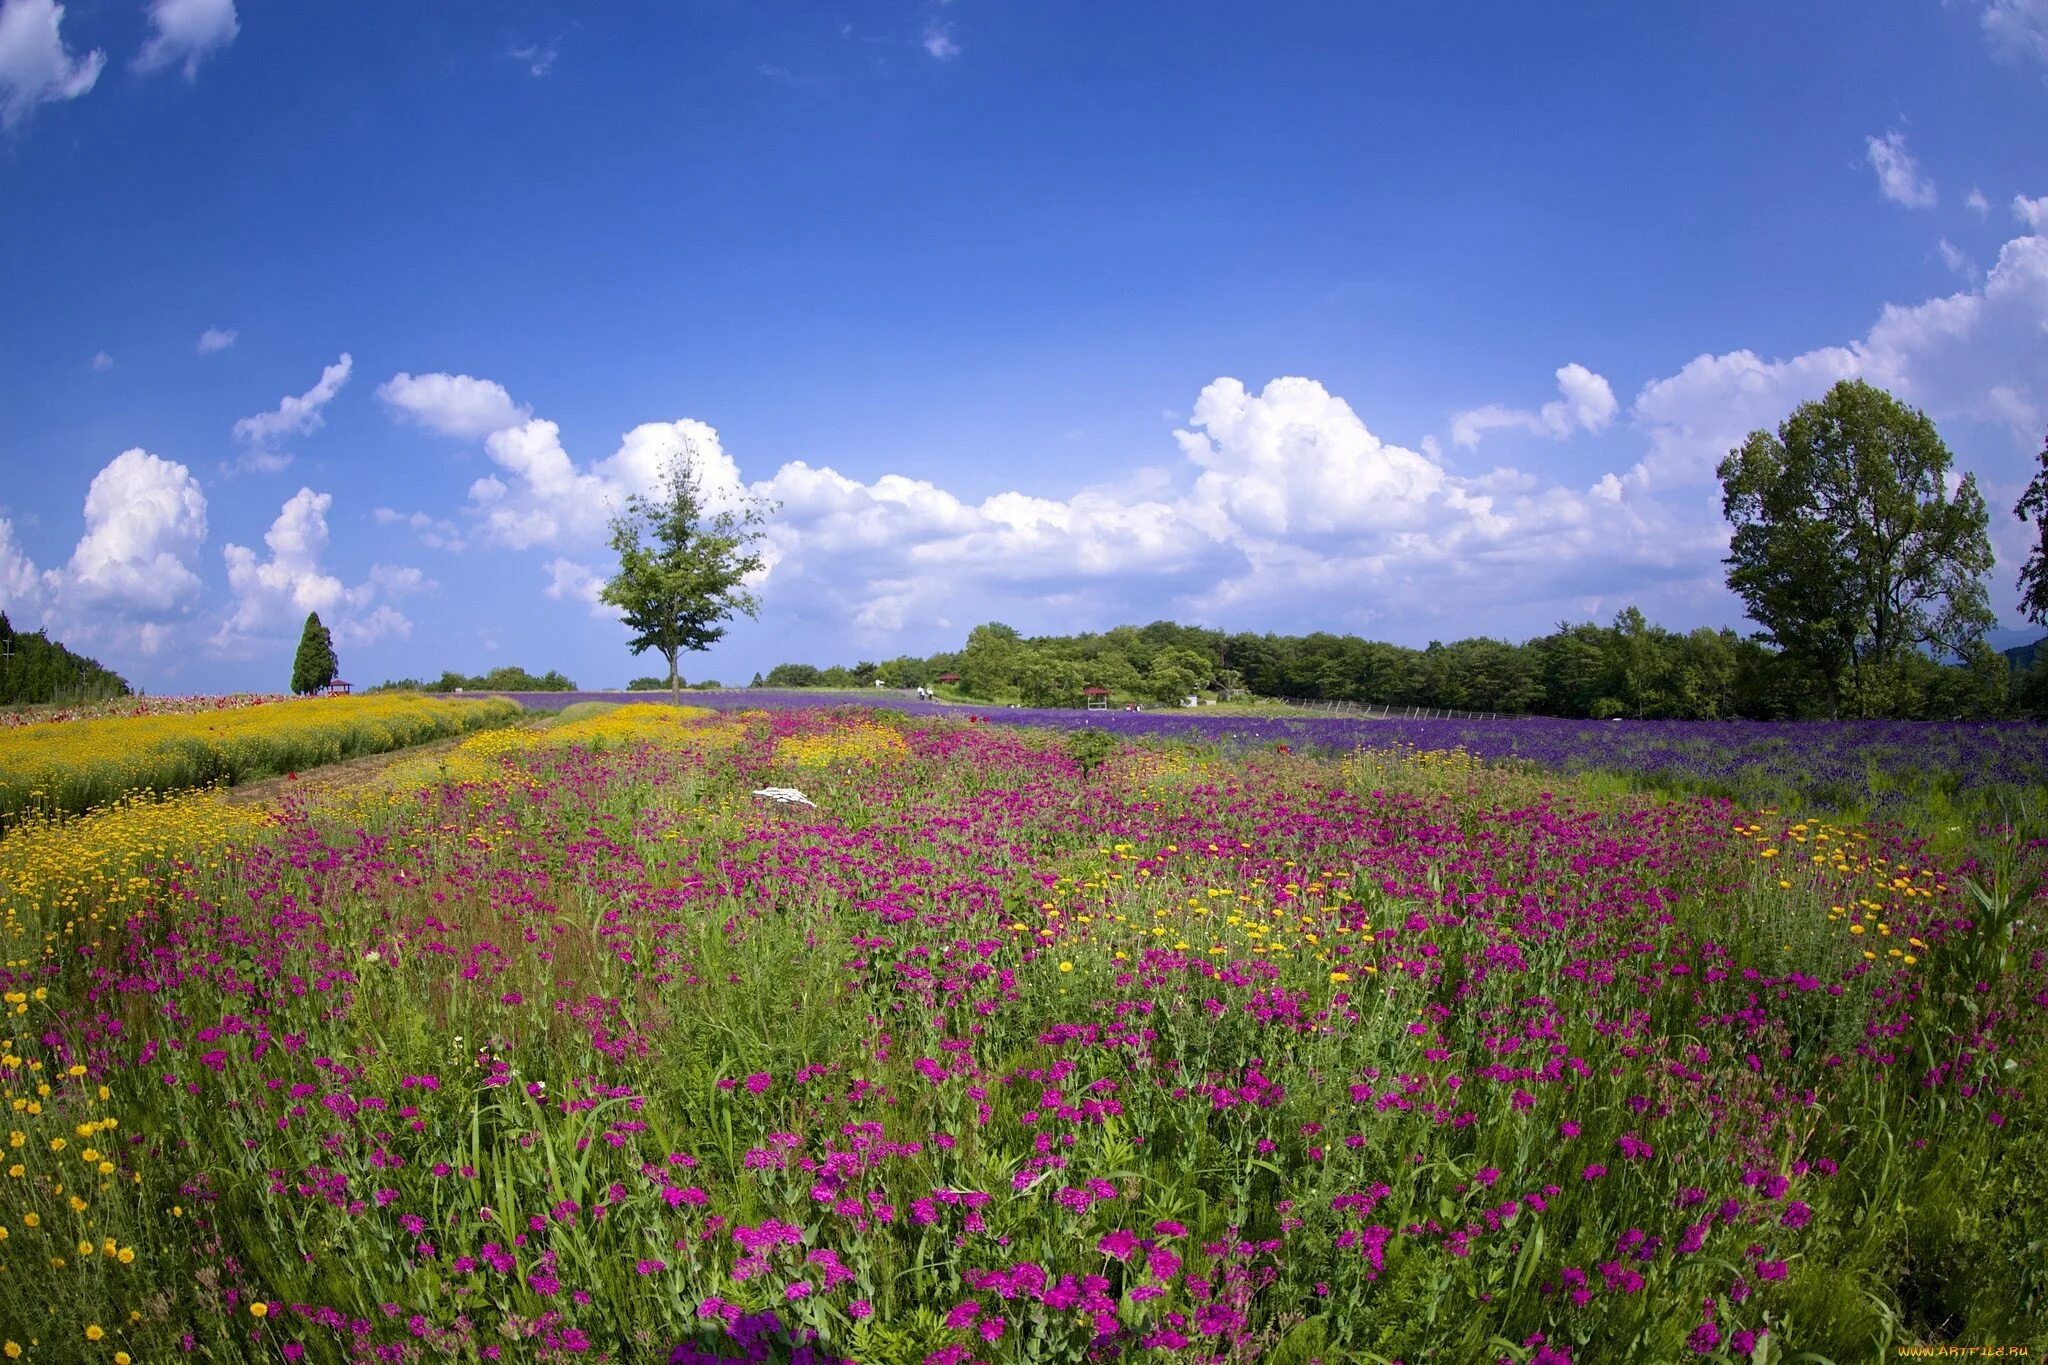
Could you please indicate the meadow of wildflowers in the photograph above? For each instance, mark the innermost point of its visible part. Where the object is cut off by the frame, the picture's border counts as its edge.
(1888, 768)
(132, 706)
(562, 1045)
(76, 765)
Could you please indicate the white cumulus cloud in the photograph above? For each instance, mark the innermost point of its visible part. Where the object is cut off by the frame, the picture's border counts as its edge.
(569, 581)
(216, 339)
(1946, 355)
(272, 593)
(185, 32)
(1898, 174)
(35, 66)
(453, 404)
(129, 578)
(2032, 212)
(21, 585)
(1586, 404)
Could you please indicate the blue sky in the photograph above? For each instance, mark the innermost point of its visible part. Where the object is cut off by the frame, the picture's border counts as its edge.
(1418, 322)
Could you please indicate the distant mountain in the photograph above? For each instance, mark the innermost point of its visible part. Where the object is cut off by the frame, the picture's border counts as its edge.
(2022, 656)
(35, 668)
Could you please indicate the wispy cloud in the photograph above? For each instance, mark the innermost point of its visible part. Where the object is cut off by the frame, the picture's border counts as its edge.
(216, 339)
(1898, 174)
(301, 412)
(538, 59)
(35, 66)
(185, 33)
(1956, 259)
(2017, 28)
(782, 75)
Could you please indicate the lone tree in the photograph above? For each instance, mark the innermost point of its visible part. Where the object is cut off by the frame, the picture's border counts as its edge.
(2033, 506)
(315, 665)
(682, 572)
(1850, 547)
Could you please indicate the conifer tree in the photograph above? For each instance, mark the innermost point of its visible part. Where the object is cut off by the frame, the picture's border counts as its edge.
(315, 665)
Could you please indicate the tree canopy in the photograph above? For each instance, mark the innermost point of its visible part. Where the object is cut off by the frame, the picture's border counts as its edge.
(315, 665)
(682, 573)
(1629, 667)
(36, 669)
(1851, 547)
(2033, 506)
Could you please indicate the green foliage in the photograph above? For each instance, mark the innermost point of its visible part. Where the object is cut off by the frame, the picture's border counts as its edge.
(35, 669)
(1046, 680)
(506, 678)
(1175, 673)
(1849, 548)
(989, 664)
(2033, 506)
(649, 684)
(1090, 749)
(1631, 667)
(682, 573)
(314, 666)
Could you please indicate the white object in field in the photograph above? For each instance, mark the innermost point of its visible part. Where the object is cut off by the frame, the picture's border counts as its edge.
(787, 796)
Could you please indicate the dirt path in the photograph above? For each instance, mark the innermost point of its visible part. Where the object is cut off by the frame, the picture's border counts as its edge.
(332, 776)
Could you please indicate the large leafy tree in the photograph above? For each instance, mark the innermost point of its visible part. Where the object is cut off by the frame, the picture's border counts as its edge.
(315, 665)
(1175, 673)
(1046, 680)
(1850, 547)
(2033, 506)
(682, 569)
(989, 664)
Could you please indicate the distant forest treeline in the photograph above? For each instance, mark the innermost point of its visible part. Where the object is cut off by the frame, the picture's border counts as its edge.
(508, 678)
(36, 669)
(1628, 668)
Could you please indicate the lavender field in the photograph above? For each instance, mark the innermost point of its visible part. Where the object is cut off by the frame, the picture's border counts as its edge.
(1859, 765)
(563, 1044)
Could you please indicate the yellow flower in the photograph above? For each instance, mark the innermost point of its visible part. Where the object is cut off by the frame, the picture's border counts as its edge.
(123, 1358)
(12, 1350)
(31, 1220)
(1340, 976)
(259, 1309)
(1066, 966)
(94, 1332)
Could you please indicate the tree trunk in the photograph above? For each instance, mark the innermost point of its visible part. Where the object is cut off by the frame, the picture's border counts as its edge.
(675, 691)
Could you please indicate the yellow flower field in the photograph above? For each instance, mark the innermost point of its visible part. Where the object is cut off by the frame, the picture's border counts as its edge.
(75, 766)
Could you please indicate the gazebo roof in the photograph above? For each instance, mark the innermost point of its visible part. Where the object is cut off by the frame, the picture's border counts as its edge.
(1094, 691)
(949, 677)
